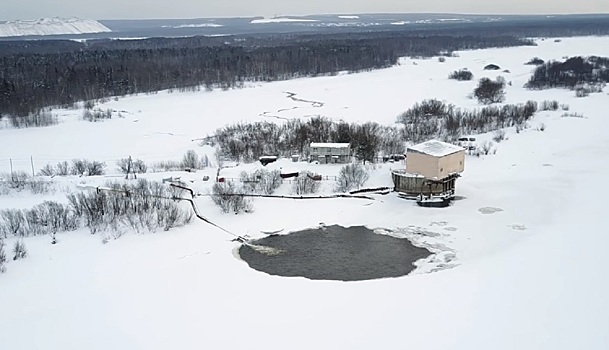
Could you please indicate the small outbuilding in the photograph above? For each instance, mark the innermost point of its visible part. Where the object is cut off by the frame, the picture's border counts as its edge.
(264, 160)
(432, 168)
(330, 153)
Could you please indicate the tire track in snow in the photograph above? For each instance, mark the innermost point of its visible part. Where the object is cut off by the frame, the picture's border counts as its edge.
(292, 96)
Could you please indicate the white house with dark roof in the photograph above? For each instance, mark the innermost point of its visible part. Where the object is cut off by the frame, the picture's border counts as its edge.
(330, 153)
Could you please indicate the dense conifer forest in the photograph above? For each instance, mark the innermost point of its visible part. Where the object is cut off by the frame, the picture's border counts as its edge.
(48, 73)
(35, 74)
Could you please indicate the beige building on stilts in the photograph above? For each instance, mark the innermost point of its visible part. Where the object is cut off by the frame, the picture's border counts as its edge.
(432, 168)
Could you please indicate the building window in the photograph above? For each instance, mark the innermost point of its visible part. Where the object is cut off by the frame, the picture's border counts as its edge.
(329, 150)
(461, 163)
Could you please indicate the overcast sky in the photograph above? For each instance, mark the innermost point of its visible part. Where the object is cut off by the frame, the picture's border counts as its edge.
(125, 9)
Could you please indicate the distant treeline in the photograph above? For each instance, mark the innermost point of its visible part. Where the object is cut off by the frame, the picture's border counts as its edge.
(61, 73)
(550, 26)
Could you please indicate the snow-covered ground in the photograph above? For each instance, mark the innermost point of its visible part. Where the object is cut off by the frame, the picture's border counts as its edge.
(51, 26)
(528, 276)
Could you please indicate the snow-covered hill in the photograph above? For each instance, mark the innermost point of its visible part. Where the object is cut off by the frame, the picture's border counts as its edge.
(281, 20)
(51, 26)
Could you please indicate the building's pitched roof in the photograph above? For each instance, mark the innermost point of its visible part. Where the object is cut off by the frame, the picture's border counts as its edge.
(435, 148)
(331, 145)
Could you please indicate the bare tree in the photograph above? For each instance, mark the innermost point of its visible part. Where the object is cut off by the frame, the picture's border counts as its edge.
(219, 156)
(2, 256)
(304, 184)
(489, 91)
(18, 180)
(129, 166)
(487, 147)
(87, 167)
(124, 165)
(191, 160)
(13, 222)
(229, 197)
(62, 168)
(499, 135)
(139, 166)
(261, 181)
(47, 170)
(461, 75)
(351, 176)
(19, 250)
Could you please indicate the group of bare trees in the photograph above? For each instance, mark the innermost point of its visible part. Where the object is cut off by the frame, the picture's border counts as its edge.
(236, 197)
(574, 72)
(425, 120)
(48, 217)
(19, 180)
(19, 252)
(84, 167)
(75, 167)
(231, 197)
(143, 206)
(461, 75)
(37, 118)
(249, 141)
(436, 119)
(261, 181)
(131, 166)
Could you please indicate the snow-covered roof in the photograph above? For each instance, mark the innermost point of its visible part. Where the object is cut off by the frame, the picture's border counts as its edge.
(404, 173)
(331, 145)
(435, 148)
(289, 171)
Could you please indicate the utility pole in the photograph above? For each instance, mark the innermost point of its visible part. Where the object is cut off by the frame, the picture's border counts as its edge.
(11, 161)
(32, 162)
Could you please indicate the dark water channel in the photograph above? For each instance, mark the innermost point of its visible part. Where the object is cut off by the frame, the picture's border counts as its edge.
(335, 253)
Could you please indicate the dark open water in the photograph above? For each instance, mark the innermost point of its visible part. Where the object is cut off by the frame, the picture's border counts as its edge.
(335, 253)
